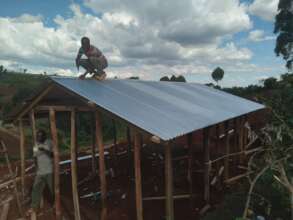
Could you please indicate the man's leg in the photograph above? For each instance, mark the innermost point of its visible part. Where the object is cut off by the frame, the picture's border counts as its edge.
(86, 64)
(37, 191)
(49, 181)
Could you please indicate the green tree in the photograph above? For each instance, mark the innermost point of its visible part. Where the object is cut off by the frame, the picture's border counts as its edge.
(165, 78)
(2, 69)
(284, 29)
(218, 74)
(134, 77)
(181, 78)
(271, 83)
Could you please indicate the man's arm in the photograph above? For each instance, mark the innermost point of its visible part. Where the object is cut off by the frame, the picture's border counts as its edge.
(77, 59)
(47, 152)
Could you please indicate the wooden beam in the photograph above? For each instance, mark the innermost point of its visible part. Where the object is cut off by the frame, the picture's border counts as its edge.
(190, 167)
(227, 151)
(54, 135)
(184, 196)
(137, 168)
(4, 211)
(93, 132)
(241, 139)
(128, 134)
(33, 126)
(114, 144)
(22, 156)
(206, 147)
(74, 168)
(34, 102)
(63, 108)
(169, 182)
(102, 172)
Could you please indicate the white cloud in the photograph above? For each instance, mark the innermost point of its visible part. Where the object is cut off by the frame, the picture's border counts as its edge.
(265, 9)
(258, 36)
(148, 39)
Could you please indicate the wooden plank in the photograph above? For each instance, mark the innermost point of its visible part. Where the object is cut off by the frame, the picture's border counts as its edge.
(22, 156)
(137, 168)
(74, 168)
(169, 183)
(227, 151)
(4, 212)
(206, 147)
(33, 126)
(53, 127)
(102, 168)
(34, 102)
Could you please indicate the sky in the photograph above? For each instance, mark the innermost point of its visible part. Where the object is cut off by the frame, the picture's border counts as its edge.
(148, 39)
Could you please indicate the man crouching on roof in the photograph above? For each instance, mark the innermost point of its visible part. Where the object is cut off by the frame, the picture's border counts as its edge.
(43, 155)
(95, 63)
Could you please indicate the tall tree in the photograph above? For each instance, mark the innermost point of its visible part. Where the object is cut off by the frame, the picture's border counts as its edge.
(218, 74)
(284, 29)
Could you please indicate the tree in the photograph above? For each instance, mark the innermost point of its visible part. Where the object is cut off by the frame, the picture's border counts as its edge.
(284, 27)
(218, 74)
(165, 78)
(181, 78)
(2, 69)
(271, 83)
(134, 77)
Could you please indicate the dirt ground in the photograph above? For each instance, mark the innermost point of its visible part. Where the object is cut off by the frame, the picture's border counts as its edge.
(121, 192)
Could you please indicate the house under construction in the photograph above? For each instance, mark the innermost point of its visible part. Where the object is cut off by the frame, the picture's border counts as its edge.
(168, 116)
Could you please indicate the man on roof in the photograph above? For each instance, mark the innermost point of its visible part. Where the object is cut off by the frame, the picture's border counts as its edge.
(95, 63)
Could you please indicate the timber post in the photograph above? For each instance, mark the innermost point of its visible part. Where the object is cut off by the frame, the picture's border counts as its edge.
(102, 167)
(33, 126)
(22, 156)
(190, 167)
(207, 165)
(54, 135)
(74, 167)
(137, 167)
(93, 131)
(227, 151)
(169, 182)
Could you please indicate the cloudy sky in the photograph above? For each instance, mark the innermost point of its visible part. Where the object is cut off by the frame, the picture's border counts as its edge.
(148, 39)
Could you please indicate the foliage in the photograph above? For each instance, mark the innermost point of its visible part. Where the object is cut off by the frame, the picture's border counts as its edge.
(270, 83)
(284, 29)
(174, 78)
(218, 74)
(165, 78)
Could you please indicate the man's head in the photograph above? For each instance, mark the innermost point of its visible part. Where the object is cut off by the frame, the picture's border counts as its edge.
(41, 136)
(85, 43)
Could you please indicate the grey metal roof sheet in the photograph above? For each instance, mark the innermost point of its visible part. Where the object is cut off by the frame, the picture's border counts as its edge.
(164, 109)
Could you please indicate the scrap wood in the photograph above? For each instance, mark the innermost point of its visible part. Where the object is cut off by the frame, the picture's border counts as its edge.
(6, 201)
(184, 196)
(233, 179)
(4, 212)
(204, 209)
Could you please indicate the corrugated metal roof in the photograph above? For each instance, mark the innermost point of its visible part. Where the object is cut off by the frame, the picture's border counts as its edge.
(164, 109)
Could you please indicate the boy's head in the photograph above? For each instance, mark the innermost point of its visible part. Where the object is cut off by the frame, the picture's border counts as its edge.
(41, 136)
